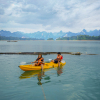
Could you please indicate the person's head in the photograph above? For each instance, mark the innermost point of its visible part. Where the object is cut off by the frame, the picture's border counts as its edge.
(40, 56)
(59, 53)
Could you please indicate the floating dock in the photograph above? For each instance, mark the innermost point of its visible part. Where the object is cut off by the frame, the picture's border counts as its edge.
(44, 53)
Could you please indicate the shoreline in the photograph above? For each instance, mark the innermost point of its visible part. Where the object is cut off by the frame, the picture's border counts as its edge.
(47, 40)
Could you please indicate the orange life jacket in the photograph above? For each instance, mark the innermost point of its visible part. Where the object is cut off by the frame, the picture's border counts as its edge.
(40, 61)
(60, 57)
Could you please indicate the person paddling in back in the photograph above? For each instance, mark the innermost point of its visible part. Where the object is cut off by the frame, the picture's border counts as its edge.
(39, 61)
(58, 59)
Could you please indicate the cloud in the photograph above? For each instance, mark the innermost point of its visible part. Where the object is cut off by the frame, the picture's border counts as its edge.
(50, 16)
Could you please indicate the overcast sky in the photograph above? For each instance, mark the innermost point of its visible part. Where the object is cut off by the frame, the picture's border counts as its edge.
(49, 15)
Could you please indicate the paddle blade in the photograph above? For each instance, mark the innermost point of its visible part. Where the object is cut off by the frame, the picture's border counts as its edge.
(63, 61)
(50, 59)
(22, 63)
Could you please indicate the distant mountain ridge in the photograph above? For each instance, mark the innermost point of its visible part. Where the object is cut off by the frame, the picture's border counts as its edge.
(46, 35)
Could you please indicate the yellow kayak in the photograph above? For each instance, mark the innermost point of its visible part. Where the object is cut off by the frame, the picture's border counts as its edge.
(46, 66)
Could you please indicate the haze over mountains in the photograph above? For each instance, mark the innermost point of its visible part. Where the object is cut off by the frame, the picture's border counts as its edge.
(46, 35)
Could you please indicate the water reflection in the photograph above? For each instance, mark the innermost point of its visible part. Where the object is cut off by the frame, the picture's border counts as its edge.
(29, 74)
(41, 75)
(59, 70)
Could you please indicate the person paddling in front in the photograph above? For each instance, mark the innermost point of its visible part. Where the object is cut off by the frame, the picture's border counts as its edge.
(39, 61)
(58, 59)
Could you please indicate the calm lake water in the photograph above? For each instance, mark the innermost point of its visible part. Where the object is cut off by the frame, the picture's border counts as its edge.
(79, 79)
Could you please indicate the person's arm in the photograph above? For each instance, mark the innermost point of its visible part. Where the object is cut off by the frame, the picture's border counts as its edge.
(35, 61)
(42, 61)
(56, 59)
(59, 59)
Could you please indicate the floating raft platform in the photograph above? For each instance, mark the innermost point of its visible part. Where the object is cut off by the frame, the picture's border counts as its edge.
(34, 53)
(12, 41)
(43, 53)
